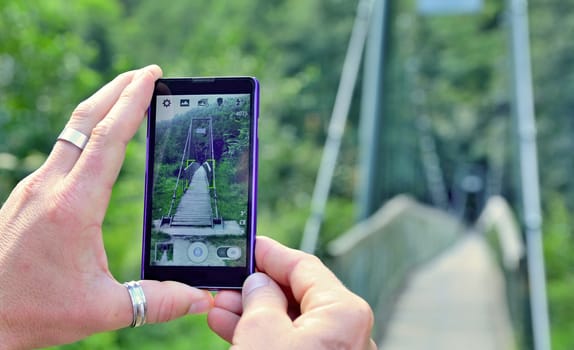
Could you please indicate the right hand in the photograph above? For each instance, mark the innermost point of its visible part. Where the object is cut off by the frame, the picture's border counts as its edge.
(294, 302)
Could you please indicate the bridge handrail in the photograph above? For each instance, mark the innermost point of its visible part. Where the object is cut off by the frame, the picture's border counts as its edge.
(499, 226)
(497, 218)
(375, 257)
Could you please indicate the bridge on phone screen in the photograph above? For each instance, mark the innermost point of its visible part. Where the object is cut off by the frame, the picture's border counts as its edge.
(194, 208)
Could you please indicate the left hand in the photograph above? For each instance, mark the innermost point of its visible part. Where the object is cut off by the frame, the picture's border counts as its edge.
(55, 284)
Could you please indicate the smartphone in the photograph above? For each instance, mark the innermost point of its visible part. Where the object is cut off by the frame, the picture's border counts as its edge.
(201, 181)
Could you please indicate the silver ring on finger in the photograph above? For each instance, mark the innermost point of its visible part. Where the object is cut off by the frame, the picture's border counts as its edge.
(139, 304)
(74, 137)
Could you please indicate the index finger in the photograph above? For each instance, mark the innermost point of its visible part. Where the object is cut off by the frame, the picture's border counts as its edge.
(300, 271)
(101, 160)
(86, 115)
(344, 316)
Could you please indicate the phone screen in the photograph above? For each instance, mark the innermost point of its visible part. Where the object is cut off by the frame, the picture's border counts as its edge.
(201, 181)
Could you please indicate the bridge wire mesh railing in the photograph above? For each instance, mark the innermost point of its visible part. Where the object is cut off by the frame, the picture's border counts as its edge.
(375, 257)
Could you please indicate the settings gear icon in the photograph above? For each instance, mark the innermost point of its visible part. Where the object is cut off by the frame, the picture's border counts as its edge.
(166, 103)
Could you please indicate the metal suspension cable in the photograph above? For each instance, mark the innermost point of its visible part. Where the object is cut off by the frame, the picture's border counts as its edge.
(528, 160)
(430, 158)
(431, 162)
(213, 167)
(339, 116)
(185, 150)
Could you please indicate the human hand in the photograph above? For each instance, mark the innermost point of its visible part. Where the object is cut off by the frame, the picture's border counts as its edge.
(55, 285)
(294, 302)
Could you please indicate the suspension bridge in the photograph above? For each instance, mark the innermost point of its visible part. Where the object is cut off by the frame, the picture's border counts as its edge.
(454, 269)
(195, 211)
(435, 283)
(193, 219)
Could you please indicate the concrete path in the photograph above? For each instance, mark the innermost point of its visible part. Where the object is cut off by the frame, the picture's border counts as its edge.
(456, 301)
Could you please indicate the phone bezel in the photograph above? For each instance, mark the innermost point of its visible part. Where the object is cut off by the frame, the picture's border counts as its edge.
(207, 277)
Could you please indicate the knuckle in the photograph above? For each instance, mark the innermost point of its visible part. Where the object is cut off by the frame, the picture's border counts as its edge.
(129, 95)
(307, 260)
(102, 141)
(358, 325)
(361, 313)
(102, 130)
(42, 198)
(312, 259)
(132, 94)
(365, 313)
(83, 110)
(63, 206)
(166, 310)
(32, 186)
(124, 75)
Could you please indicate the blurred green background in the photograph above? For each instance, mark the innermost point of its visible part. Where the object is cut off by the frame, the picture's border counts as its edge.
(55, 53)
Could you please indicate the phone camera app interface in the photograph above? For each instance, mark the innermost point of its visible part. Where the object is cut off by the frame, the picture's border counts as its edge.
(200, 180)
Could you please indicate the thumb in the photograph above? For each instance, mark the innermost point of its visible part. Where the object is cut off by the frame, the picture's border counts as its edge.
(261, 292)
(264, 317)
(169, 300)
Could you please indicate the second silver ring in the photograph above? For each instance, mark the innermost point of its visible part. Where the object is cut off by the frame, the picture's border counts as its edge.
(139, 304)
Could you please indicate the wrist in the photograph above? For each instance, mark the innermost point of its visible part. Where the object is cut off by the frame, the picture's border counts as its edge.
(9, 339)
(12, 334)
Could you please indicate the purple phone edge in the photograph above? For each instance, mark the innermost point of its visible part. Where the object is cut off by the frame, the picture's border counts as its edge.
(254, 189)
(255, 177)
(145, 210)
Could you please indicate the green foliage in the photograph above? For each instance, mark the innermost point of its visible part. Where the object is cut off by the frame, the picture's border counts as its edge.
(53, 54)
(229, 191)
(551, 58)
(558, 247)
(163, 194)
(42, 77)
(188, 332)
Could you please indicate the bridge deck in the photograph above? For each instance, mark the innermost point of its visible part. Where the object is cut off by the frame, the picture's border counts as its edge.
(456, 301)
(194, 209)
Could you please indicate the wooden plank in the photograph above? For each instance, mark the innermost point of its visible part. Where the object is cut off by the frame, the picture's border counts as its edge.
(195, 209)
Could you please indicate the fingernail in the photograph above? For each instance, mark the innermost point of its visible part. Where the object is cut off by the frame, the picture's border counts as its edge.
(255, 281)
(199, 307)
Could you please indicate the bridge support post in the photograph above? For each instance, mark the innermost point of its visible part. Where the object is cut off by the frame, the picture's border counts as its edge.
(373, 97)
(528, 163)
